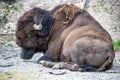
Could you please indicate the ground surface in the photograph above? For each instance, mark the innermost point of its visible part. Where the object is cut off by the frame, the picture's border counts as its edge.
(14, 68)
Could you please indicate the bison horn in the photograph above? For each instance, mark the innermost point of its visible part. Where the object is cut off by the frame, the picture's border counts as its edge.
(37, 27)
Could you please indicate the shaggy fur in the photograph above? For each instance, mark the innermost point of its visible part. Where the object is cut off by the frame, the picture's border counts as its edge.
(78, 41)
(28, 38)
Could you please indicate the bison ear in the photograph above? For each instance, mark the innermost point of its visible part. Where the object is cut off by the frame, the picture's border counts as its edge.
(70, 11)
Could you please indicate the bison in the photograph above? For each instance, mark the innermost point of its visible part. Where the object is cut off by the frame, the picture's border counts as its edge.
(75, 41)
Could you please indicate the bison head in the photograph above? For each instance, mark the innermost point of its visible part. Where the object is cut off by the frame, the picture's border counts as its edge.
(32, 30)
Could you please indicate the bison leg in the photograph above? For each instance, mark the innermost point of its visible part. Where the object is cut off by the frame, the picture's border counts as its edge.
(65, 65)
(47, 63)
(60, 65)
(46, 58)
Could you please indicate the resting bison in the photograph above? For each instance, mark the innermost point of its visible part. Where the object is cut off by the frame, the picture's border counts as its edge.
(76, 41)
(27, 37)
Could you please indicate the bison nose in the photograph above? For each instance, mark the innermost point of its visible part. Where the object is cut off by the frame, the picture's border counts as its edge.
(27, 54)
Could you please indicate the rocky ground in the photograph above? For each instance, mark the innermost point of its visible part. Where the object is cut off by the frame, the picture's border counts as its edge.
(12, 67)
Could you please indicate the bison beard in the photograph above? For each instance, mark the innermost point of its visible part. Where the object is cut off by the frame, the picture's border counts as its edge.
(27, 37)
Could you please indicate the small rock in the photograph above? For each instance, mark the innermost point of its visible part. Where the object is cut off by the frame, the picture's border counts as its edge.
(5, 63)
(57, 72)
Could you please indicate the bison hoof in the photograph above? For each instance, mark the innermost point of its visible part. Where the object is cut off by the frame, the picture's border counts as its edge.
(75, 67)
(44, 63)
(57, 66)
(45, 58)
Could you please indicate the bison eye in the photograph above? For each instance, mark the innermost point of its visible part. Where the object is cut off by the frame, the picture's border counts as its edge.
(37, 27)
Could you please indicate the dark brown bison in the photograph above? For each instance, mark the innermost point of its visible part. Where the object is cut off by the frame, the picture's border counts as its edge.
(76, 41)
(27, 37)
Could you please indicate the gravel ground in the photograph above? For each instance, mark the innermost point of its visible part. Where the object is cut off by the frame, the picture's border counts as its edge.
(29, 70)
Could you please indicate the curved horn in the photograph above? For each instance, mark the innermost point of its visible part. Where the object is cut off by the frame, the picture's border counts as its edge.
(37, 27)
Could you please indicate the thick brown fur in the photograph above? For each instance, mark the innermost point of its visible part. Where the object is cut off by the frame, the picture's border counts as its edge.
(27, 37)
(78, 41)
